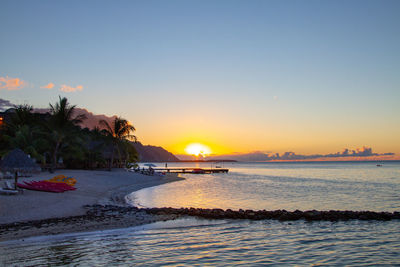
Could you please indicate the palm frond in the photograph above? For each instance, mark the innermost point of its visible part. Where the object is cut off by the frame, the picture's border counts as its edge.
(107, 127)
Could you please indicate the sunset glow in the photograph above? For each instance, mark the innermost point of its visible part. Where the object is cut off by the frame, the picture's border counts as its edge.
(198, 149)
(250, 132)
(256, 82)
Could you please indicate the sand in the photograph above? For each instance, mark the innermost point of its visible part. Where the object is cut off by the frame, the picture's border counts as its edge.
(93, 187)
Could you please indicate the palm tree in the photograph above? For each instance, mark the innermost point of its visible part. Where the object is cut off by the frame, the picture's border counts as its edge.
(62, 125)
(120, 131)
(21, 116)
(29, 139)
(24, 131)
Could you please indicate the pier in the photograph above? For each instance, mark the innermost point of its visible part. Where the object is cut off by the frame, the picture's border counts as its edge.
(192, 170)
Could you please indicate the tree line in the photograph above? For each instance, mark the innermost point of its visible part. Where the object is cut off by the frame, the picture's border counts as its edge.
(56, 138)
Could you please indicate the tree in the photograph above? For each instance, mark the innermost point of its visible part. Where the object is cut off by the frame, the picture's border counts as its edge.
(61, 126)
(24, 131)
(22, 116)
(30, 140)
(120, 132)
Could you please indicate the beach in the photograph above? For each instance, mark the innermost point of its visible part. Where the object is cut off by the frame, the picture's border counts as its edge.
(315, 213)
(42, 213)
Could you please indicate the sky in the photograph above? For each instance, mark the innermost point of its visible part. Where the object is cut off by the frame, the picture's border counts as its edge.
(313, 77)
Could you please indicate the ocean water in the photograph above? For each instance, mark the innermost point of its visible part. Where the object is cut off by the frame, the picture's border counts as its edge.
(324, 186)
(290, 186)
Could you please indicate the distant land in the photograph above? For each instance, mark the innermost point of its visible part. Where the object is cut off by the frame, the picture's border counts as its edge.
(211, 160)
(359, 154)
(147, 153)
(150, 153)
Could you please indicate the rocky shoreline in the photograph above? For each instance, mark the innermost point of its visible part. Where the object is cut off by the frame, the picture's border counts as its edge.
(97, 218)
(92, 207)
(281, 215)
(102, 217)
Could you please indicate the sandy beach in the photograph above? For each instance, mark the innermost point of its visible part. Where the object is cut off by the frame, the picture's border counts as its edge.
(34, 209)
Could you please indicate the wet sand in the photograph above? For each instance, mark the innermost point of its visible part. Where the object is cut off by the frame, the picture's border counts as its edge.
(42, 213)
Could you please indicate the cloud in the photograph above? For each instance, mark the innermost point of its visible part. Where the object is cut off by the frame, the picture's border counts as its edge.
(68, 89)
(275, 97)
(5, 104)
(11, 84)
(260, 156)
(49, 86)
(359, 152)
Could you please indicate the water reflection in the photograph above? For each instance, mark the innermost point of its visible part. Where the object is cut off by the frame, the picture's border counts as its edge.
(324, 186)
(204, 242)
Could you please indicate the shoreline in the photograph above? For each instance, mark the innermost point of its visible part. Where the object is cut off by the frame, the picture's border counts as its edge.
(107, 217)
(99, 204)
(36, 213)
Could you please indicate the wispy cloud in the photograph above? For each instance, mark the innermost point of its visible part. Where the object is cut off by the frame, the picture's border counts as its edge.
(10, 84)
(5, 104)
(49, 86)
(68, 89)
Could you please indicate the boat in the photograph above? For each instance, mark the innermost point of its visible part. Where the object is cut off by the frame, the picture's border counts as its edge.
(46, 186)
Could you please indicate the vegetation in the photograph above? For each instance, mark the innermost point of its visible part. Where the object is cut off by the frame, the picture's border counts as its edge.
(119, 133)
(25, 132)
(56, 138)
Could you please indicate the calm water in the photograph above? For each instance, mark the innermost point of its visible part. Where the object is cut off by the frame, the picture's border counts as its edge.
(290, 186)
(360, 186)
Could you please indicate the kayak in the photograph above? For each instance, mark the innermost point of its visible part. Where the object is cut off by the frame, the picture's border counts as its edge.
(46, 186)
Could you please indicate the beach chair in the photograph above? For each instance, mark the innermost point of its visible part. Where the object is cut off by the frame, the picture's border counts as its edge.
(8, 189)
(7, 185)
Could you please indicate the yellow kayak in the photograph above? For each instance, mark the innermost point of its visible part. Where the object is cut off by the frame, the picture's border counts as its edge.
(62, 179)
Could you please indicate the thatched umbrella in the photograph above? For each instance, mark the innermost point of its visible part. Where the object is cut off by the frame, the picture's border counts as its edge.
(17, 161)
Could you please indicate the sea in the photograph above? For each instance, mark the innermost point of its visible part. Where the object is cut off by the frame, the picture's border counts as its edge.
(356, 186)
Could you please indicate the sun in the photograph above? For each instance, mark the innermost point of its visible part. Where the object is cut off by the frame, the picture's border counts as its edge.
(198, 149)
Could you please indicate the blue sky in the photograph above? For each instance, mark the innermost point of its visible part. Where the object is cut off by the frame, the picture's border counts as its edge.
(308, 76)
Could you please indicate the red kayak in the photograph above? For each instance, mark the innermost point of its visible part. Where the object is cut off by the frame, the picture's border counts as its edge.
(46, 186)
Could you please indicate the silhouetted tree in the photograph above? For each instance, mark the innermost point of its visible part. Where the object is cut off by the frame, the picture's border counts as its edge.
(61, 126)
(24, 131)
(120, 132)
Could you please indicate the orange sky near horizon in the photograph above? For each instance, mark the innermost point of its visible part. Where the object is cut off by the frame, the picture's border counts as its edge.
(225, 138)
(271, 125)
(238, 76)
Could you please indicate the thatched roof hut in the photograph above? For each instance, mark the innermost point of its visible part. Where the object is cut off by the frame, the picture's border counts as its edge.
(17, 161)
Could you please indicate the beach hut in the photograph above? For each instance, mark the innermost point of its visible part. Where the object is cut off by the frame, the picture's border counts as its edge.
(16, 162)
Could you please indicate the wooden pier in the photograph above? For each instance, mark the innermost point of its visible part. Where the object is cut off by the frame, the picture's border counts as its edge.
(192, 170)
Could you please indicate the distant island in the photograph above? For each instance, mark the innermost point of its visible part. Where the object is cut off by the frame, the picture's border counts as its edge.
(210, 160)
(151, 153)
(148, 153)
